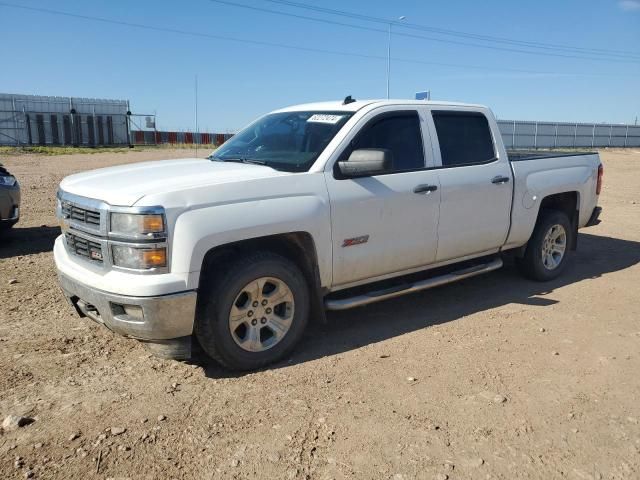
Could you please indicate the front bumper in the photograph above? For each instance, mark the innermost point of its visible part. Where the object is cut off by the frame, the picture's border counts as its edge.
(145, 318)
(9, 205)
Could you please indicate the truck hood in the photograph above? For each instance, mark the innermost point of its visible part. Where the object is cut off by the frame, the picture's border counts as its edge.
(127, 184)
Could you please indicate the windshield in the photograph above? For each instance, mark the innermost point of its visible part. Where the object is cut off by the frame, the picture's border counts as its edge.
(288, 141)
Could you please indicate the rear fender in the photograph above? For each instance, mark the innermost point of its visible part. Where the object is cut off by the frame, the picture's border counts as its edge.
(538, 186)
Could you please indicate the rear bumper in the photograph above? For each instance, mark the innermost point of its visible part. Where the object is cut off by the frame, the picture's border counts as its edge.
(145, 318)
(595, 217)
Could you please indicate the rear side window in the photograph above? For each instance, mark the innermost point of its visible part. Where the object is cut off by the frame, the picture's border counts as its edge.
(464, 137)
(398, 132)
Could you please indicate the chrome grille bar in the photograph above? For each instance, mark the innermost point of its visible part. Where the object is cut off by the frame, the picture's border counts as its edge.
(80, 214)
(84, 247)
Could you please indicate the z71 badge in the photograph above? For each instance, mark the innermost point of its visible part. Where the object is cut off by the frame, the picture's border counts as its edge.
(350, 242)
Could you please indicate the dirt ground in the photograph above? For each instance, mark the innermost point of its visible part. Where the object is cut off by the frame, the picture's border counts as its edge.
(494, 377)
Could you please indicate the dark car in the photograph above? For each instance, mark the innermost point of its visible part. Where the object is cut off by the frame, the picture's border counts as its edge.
(9, 199)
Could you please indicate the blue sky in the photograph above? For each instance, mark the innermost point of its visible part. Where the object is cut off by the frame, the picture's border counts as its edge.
(48, 54)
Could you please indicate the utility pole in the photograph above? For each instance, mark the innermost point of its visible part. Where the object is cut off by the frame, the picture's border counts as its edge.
(389, 52)
(197, 135)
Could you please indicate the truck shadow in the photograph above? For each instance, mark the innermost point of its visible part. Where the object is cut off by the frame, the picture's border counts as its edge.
(27, 241)
(352, 329)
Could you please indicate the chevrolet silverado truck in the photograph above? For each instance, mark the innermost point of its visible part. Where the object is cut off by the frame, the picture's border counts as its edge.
(323, 206)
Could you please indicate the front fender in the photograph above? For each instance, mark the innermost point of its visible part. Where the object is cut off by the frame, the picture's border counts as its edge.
(198, 231)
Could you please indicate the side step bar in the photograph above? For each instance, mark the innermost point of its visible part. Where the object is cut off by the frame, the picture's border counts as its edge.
(376, 296)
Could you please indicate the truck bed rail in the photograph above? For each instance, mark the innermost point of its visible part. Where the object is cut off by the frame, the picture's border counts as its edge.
(522, 155)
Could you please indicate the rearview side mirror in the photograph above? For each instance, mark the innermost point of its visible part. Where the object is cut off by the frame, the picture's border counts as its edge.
(366, 162)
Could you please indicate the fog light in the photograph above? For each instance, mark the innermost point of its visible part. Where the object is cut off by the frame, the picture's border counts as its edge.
(134, 311)
(127, 313)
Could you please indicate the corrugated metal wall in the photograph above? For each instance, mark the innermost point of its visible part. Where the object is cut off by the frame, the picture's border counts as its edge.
(520, 135)
(40, 120)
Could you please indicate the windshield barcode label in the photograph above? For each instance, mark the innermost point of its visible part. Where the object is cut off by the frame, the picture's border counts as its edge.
(324, 118)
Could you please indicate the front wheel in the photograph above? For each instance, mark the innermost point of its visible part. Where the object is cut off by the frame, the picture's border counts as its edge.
(547, 251)
(254, 313)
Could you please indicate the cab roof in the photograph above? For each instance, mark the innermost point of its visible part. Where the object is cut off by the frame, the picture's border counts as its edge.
(339, 106)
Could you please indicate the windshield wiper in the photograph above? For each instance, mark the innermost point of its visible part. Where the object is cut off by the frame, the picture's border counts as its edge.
(242, 160)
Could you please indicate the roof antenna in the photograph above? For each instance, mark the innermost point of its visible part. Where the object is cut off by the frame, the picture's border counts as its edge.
(348, 100)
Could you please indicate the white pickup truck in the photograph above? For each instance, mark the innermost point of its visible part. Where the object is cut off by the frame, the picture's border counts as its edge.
(319, 206)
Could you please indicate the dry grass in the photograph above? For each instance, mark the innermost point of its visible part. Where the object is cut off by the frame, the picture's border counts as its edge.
(50, 150)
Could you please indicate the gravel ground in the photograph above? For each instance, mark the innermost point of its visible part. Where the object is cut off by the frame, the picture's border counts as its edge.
(494, 377)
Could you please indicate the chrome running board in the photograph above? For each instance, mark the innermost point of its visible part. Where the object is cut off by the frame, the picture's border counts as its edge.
(379, 295)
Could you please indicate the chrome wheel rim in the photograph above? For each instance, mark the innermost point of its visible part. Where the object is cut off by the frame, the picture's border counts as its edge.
(261, 314)
(554, 246)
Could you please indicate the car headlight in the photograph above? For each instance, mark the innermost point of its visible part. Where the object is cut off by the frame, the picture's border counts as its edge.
(7, 180)
(137, 225)
(139, 258)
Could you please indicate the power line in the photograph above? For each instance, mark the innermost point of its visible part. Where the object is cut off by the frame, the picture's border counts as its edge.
(273, 44)
(294, 15)
(422, 37)
(487, 38)
(184, 32)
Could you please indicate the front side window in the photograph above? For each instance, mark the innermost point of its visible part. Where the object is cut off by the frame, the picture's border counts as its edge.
(398, 132)
(464, 138)
(288, 141)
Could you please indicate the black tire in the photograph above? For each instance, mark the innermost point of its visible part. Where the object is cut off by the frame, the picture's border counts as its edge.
(212, 325)
(531, 264)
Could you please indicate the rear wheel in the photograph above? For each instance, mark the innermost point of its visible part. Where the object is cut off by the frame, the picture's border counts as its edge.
(254, 313)
(547, 251)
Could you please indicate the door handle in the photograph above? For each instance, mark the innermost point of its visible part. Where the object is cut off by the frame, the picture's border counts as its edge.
(499, 180)
(424, 188)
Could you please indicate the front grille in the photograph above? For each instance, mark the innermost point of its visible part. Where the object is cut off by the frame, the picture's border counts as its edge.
(83, 247)
(80, 214)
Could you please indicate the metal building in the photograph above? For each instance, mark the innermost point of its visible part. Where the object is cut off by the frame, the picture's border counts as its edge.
(41, 120)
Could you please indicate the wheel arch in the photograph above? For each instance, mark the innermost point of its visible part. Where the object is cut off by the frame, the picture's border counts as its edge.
(299, 247)
(569, 204)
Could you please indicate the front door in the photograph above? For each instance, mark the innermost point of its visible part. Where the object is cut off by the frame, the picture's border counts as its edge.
(385, 223)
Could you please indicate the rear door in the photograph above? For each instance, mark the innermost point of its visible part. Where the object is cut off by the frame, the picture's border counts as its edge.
(476, 185)
(380, 225)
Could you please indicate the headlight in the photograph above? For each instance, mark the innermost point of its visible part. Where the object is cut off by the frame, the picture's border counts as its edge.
(137, 225)
(7, 180)
(139, 258)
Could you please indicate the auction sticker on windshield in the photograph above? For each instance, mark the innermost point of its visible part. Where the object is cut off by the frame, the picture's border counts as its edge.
(325, 118)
